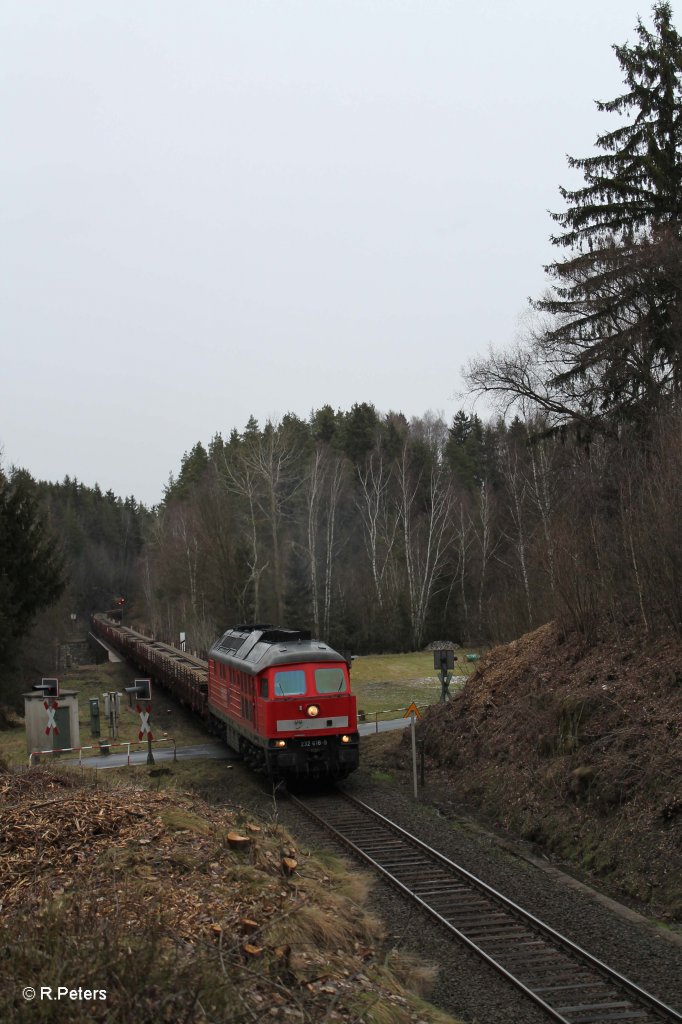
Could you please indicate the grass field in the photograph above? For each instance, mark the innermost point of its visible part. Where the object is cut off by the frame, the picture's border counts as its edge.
(390, 682)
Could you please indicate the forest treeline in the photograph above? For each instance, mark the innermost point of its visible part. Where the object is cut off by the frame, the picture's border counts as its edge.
(381, 533)
(378, 533)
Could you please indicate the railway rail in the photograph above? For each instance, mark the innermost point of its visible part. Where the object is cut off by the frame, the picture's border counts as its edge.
(568, 983)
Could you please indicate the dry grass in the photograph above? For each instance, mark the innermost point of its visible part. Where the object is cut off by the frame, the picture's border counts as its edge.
(142, 896)
(576, 747)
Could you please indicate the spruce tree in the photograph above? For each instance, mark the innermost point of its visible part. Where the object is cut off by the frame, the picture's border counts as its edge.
(613, 346)
(31, 565)
(464, 450)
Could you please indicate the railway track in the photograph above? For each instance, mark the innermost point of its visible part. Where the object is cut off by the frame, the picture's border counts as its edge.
(568, 983)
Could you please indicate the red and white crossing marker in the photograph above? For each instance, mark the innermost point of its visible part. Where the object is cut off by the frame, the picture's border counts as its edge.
(51, 708)
(145, 724)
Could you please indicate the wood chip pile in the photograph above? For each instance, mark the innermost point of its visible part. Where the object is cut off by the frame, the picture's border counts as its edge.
(181, 911)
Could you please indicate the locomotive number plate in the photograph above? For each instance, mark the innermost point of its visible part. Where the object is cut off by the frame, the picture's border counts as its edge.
(313, 743)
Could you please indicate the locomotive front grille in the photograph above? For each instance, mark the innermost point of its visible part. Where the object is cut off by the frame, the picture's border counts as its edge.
(301, 724)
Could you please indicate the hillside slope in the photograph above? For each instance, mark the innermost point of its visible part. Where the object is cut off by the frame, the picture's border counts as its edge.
(579, 749)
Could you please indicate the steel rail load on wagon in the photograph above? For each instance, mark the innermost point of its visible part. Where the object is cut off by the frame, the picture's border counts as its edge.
(279, 698)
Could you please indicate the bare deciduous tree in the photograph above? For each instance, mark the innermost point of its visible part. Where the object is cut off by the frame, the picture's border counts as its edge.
(426, 536)
(379, 518)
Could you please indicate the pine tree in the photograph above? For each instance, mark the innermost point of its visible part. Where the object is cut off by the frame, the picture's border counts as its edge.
(614, 347)
(464, 449)
(31, 566)
(193, 465)
(358, 432)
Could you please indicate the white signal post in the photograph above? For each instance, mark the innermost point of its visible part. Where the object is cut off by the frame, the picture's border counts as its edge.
(414, 713)
(112, 711)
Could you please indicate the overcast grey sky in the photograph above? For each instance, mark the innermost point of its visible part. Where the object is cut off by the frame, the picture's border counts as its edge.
(223, 208)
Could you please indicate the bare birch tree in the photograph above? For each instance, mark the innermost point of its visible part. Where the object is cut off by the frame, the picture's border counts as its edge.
(542, 496)
(184, 530)
(516, 487)
(313, 491)
(322, 490)
(272, 460)
(426, 536)
(333, 492)
(379, 519)
(486, 546)
(241, 479)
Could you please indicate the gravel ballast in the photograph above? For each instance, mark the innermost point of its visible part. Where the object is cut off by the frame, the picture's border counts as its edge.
(466, 986)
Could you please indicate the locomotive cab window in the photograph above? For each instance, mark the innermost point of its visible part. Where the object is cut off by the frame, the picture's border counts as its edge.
(290, 683)
(264, 687)
(330, 680)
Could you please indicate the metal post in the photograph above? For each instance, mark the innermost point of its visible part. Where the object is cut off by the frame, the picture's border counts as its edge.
(376, 719)
(413, 720)
(113, 715)
(422, 744)
(150, 756)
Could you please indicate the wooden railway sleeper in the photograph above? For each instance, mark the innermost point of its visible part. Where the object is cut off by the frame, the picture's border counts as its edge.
(533, 957)
(631, 1016)
(576, 985)
(584, 1007)
(450, 885)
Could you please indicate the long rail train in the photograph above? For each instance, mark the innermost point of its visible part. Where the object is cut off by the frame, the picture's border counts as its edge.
(280, 699)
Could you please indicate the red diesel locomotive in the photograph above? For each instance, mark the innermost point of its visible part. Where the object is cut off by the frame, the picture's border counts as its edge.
(279, 698)
(285, 701)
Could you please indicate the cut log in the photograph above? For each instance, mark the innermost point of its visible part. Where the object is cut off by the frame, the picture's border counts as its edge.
(236, 841)
(289, 865)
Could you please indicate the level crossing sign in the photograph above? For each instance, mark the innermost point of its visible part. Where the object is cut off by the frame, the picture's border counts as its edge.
(51, 708)
(145, 724)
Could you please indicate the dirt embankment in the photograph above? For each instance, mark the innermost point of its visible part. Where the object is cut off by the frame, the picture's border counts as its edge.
(579, 749)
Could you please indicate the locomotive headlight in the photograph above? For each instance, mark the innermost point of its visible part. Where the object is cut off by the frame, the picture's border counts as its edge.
(280, 743)
(313, 710)
(345, 739)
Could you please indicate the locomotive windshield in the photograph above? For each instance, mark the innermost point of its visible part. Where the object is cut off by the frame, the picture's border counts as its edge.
(290, 683)
(330, 680)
